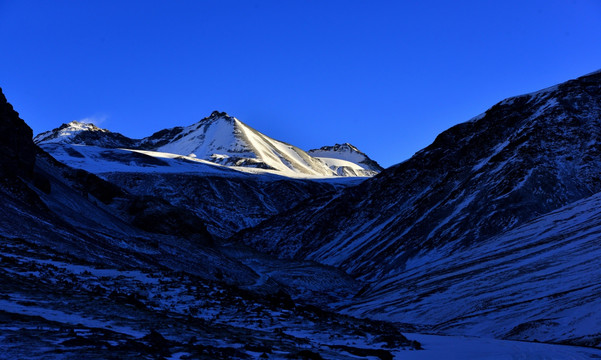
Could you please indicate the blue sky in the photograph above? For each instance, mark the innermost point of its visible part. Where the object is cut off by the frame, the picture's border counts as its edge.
(386, 76)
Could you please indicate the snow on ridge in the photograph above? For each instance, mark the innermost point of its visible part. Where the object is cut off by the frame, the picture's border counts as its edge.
(344, 151)
(66, 132)
(207, 138)
(346, 160)
(103, 161)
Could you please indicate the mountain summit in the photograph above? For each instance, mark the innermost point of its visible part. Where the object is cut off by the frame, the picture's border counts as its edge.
(81, 133)
(225, 140)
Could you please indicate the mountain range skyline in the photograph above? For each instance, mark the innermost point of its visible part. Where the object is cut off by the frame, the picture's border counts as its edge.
(386, 76)
(224, 140)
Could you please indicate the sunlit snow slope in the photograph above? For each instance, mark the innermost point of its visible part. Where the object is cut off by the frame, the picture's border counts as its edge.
(226, 140)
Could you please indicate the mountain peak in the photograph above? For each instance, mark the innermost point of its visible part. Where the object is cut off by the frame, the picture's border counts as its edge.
(79, 126)
(83, 133)
(344, 147)
(345, 152)
(215, 117)
(225, 140)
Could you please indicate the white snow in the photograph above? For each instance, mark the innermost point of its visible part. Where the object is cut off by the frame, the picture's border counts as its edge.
(225, 138)
(344, 152)
(101, 161)
(219, 139)
(205, 139)
(496, 150)
(66, 134)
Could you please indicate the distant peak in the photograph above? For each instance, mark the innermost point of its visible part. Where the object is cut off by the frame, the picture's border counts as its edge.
(83, 133)
(339, 147)
(346, 151)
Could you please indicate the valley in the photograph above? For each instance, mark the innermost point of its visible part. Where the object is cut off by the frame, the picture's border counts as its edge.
(215, 241)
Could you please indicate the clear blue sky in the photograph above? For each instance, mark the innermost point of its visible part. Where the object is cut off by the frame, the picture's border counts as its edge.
(386, 76)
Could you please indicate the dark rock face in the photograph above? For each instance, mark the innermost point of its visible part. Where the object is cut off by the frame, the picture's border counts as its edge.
(16, 146)
(524, 157)
(162, 137)
(149, 213)
(158, 216)
(226, 205)
(19, 159)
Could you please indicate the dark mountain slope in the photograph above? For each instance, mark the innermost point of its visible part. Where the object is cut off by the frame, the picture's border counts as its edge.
(524, 157)
(226, 204)
(538, 281)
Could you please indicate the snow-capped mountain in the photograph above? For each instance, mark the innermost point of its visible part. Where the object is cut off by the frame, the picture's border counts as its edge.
(451, 240)
(524, 157)
(346, 160)
(224, 140)
(229, 174)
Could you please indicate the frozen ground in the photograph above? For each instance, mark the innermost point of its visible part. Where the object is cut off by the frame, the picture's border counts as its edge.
(461, 348)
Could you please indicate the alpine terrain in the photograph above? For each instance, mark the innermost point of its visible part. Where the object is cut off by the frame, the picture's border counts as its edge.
(215, 241)
(91, 271)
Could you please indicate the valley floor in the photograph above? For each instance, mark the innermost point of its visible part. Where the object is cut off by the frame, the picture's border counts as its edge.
(462, 347)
